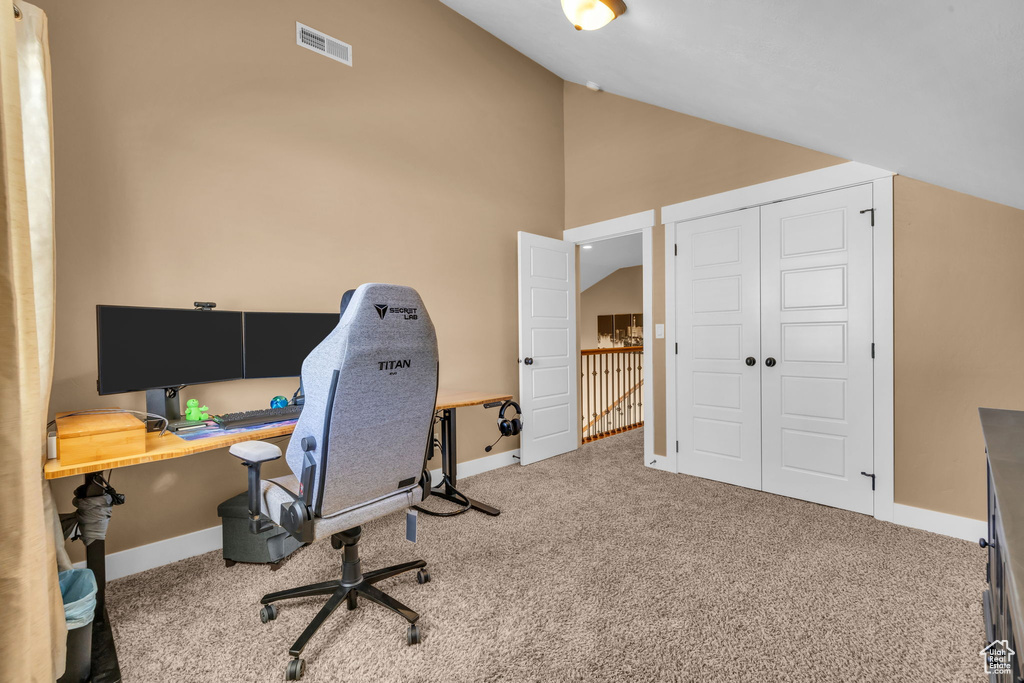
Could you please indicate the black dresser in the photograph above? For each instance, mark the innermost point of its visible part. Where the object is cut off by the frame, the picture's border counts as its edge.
(1004, 609)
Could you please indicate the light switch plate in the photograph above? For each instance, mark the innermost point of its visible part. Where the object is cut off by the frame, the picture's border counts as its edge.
(659, 331)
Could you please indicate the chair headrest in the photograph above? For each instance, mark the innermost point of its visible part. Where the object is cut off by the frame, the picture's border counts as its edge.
(376, 308)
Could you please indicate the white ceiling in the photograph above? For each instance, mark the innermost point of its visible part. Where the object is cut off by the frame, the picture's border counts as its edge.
(607, 256)
(932, 89)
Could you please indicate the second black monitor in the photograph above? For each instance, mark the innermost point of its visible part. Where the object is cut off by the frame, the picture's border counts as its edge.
(277, 343)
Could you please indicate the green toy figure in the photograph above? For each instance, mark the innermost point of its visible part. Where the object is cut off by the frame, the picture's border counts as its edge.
(194, 413)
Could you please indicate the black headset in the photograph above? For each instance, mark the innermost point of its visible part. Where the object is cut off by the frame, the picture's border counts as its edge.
(506, 426)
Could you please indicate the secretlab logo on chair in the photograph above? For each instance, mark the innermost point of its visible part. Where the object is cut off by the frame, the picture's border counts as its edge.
(408, 313)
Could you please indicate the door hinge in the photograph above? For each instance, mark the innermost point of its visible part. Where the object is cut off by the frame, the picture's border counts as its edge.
(677, 446)
(872, 349)
(872, 479)
(677, 349)
(676, 246)
(872, 212)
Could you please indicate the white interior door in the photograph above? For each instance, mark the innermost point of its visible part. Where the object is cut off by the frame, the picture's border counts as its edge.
(547, 347)
(718, 328)
(816, 320)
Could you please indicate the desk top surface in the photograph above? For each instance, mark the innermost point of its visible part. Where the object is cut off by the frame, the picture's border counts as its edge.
(171, 446)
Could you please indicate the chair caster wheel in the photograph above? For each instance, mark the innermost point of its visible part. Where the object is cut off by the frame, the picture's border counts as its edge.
(268, 613)
(229, 563)
(413, 635)
(296, 668)
(423, 576)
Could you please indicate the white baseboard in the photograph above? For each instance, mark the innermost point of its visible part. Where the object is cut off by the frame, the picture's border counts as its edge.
(151, 555)
(940, 522)
(480, 465)
(143, 557)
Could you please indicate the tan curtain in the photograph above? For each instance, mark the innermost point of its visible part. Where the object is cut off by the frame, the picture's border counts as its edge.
(32, 630)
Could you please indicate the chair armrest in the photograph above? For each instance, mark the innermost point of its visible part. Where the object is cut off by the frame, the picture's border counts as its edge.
(253, 454)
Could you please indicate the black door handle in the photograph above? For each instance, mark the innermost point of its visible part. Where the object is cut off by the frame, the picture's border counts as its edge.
(751, 360)
(528, 361)
(769, 361)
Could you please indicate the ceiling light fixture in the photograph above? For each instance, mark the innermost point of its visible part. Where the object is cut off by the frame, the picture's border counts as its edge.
(590, 15)
(588, 246)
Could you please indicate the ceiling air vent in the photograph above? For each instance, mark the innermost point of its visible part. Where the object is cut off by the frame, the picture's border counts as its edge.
(323, 44)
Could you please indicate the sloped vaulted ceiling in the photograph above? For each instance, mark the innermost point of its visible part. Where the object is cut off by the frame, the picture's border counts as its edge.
(928, 88)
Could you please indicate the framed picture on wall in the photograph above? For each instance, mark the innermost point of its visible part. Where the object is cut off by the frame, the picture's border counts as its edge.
(621, 329)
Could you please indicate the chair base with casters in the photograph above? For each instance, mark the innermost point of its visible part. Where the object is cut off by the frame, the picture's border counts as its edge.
(353, 585)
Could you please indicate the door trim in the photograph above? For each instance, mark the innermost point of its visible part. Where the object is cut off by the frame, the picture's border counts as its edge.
(814, 182)
(643, 223)
(823, 180)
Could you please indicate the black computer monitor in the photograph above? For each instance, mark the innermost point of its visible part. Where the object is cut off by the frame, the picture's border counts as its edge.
(155, 348)
(277, 343)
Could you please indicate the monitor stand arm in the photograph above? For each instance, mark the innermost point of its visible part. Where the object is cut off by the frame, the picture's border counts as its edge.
(163, 402)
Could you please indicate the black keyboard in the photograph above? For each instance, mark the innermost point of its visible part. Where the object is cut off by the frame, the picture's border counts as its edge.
(257, 417)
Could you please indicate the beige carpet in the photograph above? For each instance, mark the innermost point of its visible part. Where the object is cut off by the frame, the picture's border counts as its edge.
(598, 569)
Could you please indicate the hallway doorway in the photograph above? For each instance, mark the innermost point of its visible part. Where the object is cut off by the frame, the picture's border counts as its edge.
(611, 336)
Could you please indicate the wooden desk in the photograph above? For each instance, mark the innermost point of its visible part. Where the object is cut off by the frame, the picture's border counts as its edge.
(105, 665)
(171, 445)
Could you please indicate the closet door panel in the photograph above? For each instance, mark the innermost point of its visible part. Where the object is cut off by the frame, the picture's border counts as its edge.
(718, 328)
(816, 322)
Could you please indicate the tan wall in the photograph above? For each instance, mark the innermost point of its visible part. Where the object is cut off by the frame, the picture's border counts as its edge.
(623, 156)
(959, 284)
(200, 154)
(959, 292)
(620, 292)
(245, 170)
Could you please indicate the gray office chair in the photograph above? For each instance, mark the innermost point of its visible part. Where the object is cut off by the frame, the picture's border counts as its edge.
(359, 448)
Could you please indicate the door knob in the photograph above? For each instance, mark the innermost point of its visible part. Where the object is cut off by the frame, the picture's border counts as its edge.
(528, 361)
(751, 360)
(769, 361)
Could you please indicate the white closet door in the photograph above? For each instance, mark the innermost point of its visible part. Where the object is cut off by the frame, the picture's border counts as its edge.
(718, 328)
(816, 318)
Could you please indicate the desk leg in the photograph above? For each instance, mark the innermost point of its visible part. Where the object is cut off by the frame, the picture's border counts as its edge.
(449, 468)
(105, 667)
(449, 463)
